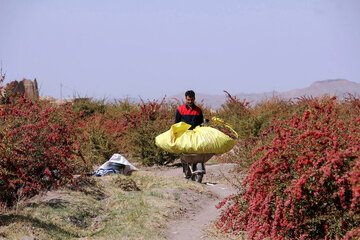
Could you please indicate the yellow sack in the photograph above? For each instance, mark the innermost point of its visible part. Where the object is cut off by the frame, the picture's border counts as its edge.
(199, 140)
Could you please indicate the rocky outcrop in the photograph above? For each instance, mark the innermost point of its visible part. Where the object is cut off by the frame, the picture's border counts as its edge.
(25, 87)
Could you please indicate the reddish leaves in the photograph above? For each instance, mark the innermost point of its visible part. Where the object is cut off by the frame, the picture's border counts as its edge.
(130, 132)
(306, 183)
(37, 147)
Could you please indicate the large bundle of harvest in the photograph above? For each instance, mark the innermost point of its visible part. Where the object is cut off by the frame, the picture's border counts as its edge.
(201, 140)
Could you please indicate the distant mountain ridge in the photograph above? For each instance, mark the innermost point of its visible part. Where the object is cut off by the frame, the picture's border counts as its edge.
(338, 87)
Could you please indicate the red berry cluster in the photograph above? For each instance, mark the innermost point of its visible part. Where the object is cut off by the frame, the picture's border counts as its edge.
(306, 183)
(38, 147)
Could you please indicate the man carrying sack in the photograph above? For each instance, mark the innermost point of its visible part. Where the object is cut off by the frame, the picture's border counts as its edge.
(190, 114)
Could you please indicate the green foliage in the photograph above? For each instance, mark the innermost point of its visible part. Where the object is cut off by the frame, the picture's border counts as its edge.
(146, 150)
(128, 129)
(155, 118)
(88, 106)
(101, 146)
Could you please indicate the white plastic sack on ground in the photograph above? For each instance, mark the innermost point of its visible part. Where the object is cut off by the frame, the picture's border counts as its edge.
(119, 159)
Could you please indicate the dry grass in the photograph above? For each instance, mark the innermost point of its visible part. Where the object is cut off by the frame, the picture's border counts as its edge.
(110, 207)
(213, 233)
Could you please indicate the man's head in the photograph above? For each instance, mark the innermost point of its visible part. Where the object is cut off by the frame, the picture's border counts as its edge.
(190, 98)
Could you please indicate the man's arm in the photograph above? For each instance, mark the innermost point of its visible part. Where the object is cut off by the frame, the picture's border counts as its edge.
(177, 116)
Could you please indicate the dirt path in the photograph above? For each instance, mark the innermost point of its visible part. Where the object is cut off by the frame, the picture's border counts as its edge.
(202, 212)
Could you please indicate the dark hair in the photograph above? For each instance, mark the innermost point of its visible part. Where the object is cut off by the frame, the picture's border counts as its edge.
(190, 93)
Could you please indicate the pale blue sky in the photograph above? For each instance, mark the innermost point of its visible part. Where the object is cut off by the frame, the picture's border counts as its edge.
(152, 48)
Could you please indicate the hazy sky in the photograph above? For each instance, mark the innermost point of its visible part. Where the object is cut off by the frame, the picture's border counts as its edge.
(152, 48)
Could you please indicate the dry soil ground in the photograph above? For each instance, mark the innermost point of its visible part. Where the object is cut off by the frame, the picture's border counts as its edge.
(197, 217)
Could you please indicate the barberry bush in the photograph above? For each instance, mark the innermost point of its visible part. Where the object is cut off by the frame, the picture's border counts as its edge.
(154, 118)
(38, 147)
(305, 182)
(128, 129)
(250, 120)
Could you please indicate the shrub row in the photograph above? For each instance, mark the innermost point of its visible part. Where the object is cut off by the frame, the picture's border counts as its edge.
(129, 130)
(304, 182)
(302, 156)
(38, 147)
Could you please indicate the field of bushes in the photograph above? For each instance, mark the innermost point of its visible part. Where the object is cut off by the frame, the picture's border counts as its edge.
(301, 156)
(302, 164)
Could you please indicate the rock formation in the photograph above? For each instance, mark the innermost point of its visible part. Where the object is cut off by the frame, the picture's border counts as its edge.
(25, 87)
